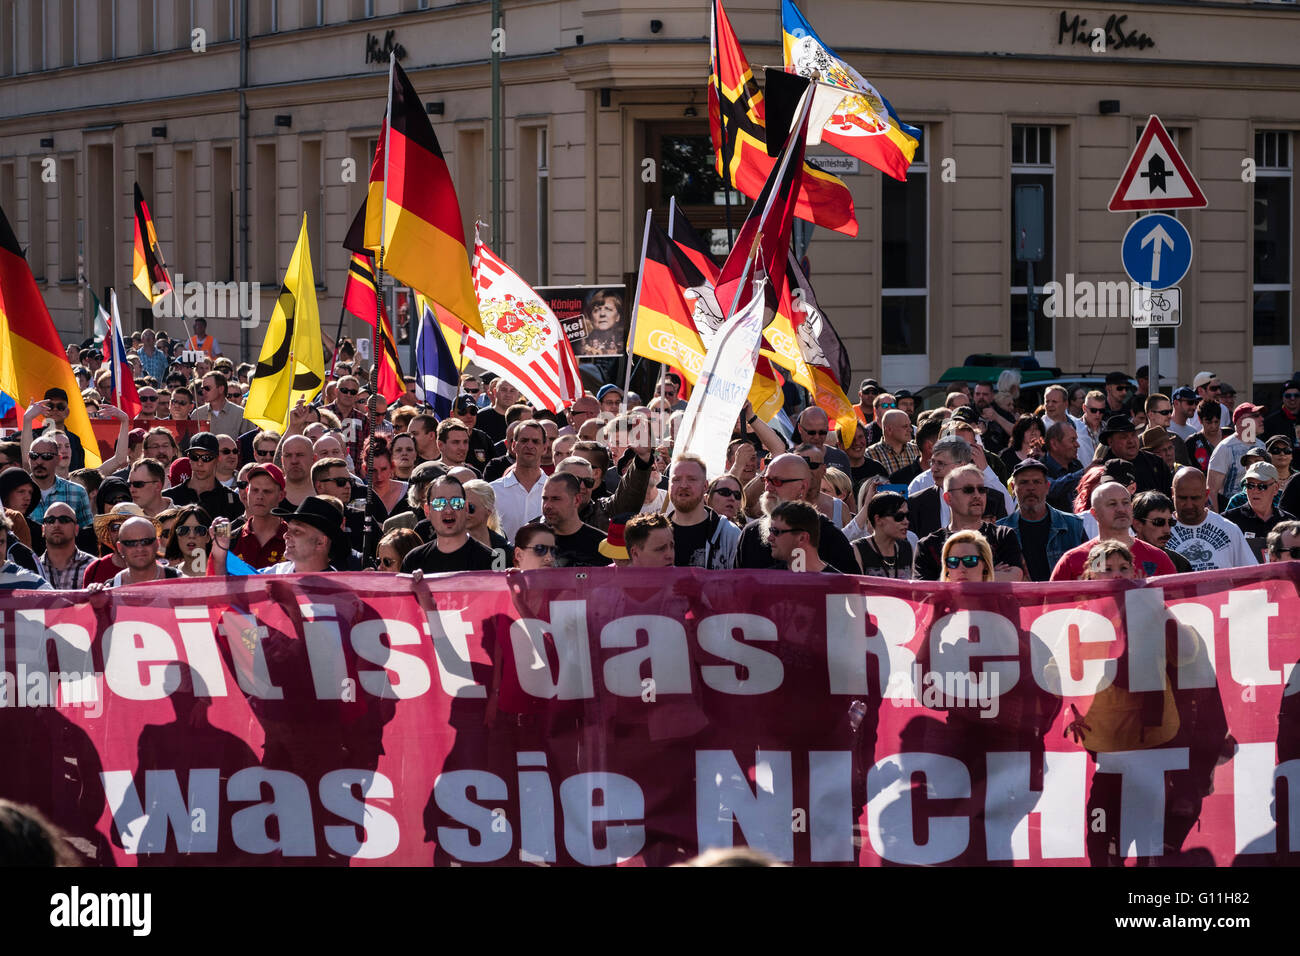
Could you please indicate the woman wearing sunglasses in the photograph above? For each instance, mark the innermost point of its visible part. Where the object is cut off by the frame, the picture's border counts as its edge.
(166, 520)
(482, 520)
(534, 547)
(395, 546)
(966, 557)
(190, 544)
(886, 552)
(724, 496)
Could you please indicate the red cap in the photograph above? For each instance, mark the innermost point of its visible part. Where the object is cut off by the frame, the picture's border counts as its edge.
(135, 437)
(179, 471)
(271, 471)
(1246, 410)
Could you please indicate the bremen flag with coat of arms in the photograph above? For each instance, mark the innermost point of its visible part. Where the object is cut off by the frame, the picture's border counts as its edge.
(521, 338)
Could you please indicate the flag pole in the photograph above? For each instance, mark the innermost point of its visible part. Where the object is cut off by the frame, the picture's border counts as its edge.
(370, 544)
(115, 318)
(636, 306)
(722, 126)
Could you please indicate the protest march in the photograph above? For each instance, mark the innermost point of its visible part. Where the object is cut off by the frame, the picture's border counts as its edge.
(644, 572)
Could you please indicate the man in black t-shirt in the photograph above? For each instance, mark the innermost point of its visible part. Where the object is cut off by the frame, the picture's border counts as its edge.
(452, 549)
(964, 491)
(787, 479)
(577, 544)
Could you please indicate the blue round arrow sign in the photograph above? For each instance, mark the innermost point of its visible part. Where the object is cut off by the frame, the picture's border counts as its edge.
(1157, 251)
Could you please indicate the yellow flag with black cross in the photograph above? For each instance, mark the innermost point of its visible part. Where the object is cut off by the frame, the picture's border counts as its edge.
(291, 365)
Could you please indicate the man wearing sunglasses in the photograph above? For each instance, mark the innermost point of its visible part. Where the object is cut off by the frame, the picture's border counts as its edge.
(867, 393)
(63, 562)
(223, 417)
(788, 478)
(1259, 515)
(146, 479)
(452, 548)
(55, 409)
(44, 456)
(966, 498)
(1286, 420)
(1119, 393)
(578, 543)
(812, 428)
(202, 487)
(148, 404)
(137, 548)
(882, 403)
(1225, 471)
(1153, 523)
(1284, 542)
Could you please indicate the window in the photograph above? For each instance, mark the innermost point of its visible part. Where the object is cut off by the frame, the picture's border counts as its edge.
(106, 10)
(534, 204)
(1272, 221)
(1033, 162)
(267, 223)
(144, 176)
(312, 200)
(8, 37)
(223, 214)
(8, 189)
(36, 39)
(183, 208)
(904, 259)
(102, 226)
(68, 33)
(147, 21)
(471, 178)
(67, 195)
(683, 158)
(181, 23)
(36, 219)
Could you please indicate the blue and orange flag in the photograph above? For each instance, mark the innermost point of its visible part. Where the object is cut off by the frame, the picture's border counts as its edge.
(414, 215)
(739, 129)
(861, 123)
(32, 357)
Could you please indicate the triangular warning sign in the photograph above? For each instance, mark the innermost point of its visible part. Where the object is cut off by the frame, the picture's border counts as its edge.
(1156, 176)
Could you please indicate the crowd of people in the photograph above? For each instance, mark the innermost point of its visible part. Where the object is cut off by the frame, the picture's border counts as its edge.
(1104, 483)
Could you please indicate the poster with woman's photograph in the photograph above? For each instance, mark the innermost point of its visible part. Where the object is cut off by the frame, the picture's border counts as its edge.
(593, 316)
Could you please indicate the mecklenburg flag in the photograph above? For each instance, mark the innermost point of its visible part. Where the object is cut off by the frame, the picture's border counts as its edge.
(32, 357)
(862, 124)
(359, 301)
(701, 271)
(740, 137)
(291, 365)
(803, 341)
(147, 268)
(437, 377)
(423, 239)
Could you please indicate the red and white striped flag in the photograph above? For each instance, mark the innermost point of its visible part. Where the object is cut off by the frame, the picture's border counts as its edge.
(522, 339)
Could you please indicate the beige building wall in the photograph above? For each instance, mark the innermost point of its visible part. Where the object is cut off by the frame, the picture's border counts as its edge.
(584, 78)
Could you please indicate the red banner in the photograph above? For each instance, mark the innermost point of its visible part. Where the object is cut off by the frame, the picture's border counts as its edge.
(600, 716)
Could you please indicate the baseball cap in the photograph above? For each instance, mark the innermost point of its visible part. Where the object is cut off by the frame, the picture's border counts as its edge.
(1121, 470)
(964, 413)
(1246, 410)
(1184, 394)
(1226, 389)
(1203, 378)
(465, 403)
(605, 390)
(1028, 464)
(1292, 384)
(135, 437)
(1116, 378)
(1255, 454)
(869, 383)
(1279, 443)
(205, 441)
(271, 471)
(1261, 471)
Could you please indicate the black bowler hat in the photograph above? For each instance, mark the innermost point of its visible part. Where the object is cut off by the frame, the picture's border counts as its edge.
(318, 513)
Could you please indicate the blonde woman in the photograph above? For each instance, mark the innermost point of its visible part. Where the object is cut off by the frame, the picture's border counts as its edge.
(966, 557)
(482, 520)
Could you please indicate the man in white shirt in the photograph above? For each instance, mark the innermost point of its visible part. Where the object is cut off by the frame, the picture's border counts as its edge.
(1206, 385)
(1208, 541)
(1226, 471)
(519, 491)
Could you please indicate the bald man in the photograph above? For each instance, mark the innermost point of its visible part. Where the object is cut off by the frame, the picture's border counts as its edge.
(1206, 539)
(895, 450)
(813, 427)
(788, 478)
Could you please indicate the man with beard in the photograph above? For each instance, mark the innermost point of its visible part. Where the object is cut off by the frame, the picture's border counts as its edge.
(1119, 434)
(1206, 539)
(63, 562)
(788, 478)
(1112, 507)
(702, 538)
(1045, 533)
(44, 455)
(1153, 523)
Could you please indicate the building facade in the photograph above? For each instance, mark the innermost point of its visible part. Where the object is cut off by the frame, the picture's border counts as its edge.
(604, 115)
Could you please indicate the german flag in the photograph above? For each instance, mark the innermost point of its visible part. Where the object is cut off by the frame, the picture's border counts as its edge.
(739, 133)
(360, 301)
(147, 268)
(665, 330)
(423, 240)
(32, 357)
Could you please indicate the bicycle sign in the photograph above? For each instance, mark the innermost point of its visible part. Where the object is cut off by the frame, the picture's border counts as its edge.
(1156, 308)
